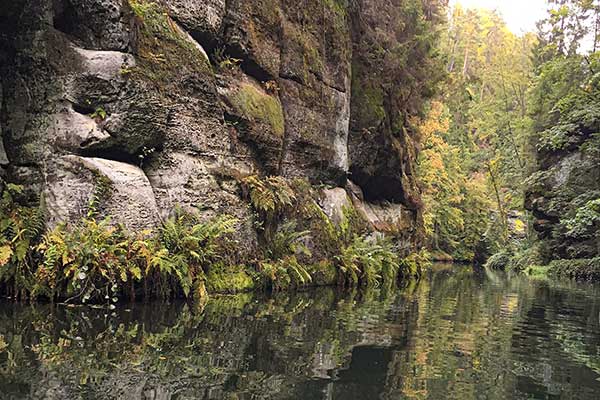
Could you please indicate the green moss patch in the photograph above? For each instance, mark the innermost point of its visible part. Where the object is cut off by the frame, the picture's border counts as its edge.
(368, 99)
(255, 105)
(163, 49)
(324, 273)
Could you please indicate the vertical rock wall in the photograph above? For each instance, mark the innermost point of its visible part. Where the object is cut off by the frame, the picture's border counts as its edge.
(153, 105)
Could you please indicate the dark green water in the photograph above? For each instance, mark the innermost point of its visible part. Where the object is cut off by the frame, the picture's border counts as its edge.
(455, 335)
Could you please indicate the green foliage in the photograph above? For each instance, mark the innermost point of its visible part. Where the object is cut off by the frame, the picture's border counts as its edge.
(85, 262)
(368, 261)
(99, 113)
(580, 269)
(525, 258)
(281, 267)
(224, 61)
(21, 228)
(271, 198)
(519, 256)
(586, 220)
(360, 258)
(499, 260)
(162, 49)
(221, 278)
(97, 261)
(187, 247)
(566, 102)
(92, 261)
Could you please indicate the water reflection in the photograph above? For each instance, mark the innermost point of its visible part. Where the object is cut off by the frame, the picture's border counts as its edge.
(456, 334)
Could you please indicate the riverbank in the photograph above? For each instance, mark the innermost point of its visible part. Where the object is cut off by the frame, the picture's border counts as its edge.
(529, 261)
(95, 260)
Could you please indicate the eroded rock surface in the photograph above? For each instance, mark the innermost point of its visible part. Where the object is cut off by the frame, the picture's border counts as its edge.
(169, 105)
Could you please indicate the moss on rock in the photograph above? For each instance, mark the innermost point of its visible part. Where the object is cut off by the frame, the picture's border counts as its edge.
(258, 106)
(164, 50)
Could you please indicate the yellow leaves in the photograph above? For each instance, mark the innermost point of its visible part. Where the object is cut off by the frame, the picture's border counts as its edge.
(435, 123)
(5, 254)
(3, 344)
(271, 194)
(136, 272)
(519, 226)
(66, 258)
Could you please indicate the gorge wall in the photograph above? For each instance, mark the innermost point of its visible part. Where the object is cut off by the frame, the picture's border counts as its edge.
(563, 195)
(168, 103)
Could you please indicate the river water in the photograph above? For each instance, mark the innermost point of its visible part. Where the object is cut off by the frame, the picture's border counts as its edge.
(456, 334)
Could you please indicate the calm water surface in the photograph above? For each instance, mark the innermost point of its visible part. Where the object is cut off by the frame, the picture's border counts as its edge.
(455, 335)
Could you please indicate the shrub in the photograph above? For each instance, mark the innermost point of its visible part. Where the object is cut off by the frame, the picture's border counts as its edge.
(87, 261)
(580, 269)
(281, 268)
(499, 260)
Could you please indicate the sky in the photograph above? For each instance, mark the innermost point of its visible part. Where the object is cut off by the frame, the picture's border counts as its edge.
(520, 15)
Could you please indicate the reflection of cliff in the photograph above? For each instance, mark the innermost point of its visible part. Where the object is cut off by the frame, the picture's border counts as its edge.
(453, 335)
(156, 351)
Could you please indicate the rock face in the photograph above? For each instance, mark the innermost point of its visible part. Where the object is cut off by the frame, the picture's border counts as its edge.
(562, 196)
(168, 103)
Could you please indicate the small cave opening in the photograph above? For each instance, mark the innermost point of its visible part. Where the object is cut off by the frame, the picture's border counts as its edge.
(248, 65)
(115, 153)
(83, 109)
(378, 188)
(65, 16)
(205, 39)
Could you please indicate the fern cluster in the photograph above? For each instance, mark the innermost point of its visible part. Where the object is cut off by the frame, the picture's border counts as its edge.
(96, 260)
(271, 198)
(21, 228)
(281, 267)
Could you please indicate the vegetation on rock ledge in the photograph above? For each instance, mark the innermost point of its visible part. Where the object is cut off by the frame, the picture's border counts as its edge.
(94, 260)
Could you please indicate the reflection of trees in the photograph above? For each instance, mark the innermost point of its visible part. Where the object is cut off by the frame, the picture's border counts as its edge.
(236, 345)
(497, 338)
(453, 335)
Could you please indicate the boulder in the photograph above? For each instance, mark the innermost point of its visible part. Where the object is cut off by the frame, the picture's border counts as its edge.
(77, 185)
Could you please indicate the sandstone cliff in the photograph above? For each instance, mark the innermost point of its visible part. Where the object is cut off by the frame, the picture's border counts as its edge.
(563, 195)
(167, 103)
